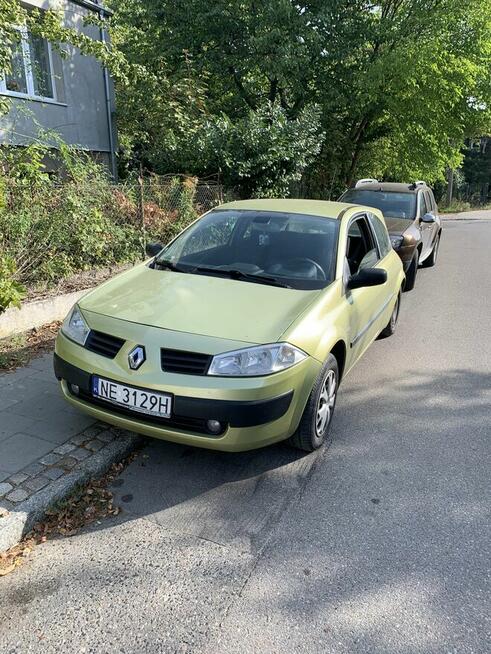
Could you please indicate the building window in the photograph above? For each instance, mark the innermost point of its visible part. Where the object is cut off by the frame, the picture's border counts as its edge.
(31, 73)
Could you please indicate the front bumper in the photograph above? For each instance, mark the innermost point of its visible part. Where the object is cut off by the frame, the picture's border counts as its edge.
(254, 411)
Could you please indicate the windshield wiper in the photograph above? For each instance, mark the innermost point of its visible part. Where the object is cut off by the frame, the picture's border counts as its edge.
(241, 275)
(163, 264)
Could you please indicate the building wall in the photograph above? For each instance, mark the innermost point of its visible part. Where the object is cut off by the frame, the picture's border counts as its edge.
(80, 114)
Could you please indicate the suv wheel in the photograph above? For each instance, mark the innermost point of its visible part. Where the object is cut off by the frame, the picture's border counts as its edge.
(411, 273)
(316, 419)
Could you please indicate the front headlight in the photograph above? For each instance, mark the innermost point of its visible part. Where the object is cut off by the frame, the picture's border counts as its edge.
(256, 361)
(396, 241)
(74, 326)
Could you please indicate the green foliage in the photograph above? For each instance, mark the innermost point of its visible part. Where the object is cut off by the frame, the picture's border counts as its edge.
(11, 291)
(399, 85)
(262, 153)
(53, 226)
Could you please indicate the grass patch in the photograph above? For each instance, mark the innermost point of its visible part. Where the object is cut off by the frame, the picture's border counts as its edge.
(18, 350)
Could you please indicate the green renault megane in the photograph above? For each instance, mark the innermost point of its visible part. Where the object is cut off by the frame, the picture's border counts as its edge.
(237, 333)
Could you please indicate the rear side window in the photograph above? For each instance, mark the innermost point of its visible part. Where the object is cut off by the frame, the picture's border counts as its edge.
(381, 234)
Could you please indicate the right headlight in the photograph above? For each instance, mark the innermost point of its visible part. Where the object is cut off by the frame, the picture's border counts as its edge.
(74, 326)
(396, 241)
(256, 361)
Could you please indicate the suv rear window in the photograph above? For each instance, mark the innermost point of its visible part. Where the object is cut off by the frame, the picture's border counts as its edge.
(391, 204)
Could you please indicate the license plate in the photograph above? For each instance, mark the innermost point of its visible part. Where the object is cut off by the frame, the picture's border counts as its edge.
(136, 399)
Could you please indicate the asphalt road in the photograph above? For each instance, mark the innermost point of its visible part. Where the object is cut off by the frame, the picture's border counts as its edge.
(380, 544)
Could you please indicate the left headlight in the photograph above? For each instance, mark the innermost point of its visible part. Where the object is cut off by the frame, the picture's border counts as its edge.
(74, 326)
(256, 361)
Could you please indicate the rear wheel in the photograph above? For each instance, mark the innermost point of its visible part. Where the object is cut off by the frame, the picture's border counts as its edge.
(391, 326)
(431, 260)
(316, 419)
(411, 273)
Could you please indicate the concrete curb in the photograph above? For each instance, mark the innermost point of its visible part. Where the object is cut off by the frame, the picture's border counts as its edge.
(17, 523)
(37, 313)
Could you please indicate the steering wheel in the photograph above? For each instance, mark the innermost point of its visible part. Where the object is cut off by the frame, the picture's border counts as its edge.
(307, 268)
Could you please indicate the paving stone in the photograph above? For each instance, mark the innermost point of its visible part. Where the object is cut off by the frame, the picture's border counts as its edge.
(95, 445)
(18, 495)
(80, 454)
(60, 426)
(64, 449)
(32, 469)
(67, 462)
(54, 473)
(43, 405)
(11, 424)
(36, 483)
(18, 478)
(50, 459)
(80, 438)
(5, 488)
(106, 436)
(4, 474)
(20, 450)
(92, 431)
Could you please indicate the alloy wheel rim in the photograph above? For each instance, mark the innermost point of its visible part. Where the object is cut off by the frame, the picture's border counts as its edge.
(325, 404)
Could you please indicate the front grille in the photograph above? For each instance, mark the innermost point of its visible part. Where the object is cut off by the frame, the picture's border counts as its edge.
(196, 425)
(187, 363)
(104, 344)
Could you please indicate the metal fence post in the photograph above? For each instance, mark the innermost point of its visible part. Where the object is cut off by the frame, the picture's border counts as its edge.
(141, 207)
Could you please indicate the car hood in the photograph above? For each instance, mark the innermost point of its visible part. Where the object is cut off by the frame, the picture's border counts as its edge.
(397, 225)
(199, 304)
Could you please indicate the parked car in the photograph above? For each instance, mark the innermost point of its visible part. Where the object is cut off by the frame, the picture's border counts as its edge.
(411, 215)
(238, 333)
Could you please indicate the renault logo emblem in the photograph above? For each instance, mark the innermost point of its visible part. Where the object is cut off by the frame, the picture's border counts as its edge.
(136, 357)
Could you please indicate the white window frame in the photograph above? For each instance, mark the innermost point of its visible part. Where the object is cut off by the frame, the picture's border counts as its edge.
(26, 57)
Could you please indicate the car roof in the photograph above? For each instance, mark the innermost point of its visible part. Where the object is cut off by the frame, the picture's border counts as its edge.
(395, 187)
(320, 208)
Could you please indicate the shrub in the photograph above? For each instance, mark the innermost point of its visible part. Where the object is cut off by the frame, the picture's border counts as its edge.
(11, 292)
(54, 225)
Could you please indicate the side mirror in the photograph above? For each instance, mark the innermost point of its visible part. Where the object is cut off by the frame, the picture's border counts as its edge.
(367, 277)
(428, 218)
(152, 249)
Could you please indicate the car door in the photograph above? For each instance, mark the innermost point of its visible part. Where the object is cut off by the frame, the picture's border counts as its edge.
(368, 307)
(434, 212)
(427, 228)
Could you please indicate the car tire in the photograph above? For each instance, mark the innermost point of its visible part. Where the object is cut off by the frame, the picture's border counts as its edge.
(411, 273)
(316, 419)
(392, 324)
(431, 260)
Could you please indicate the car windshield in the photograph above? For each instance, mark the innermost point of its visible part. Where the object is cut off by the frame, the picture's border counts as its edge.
(390, 203)
(281, 249)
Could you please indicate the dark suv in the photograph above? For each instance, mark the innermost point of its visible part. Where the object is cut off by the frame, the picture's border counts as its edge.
(411, 216)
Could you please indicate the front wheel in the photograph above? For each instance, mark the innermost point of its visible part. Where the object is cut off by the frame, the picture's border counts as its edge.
(316, 419)
(431, 260)
(392, 324)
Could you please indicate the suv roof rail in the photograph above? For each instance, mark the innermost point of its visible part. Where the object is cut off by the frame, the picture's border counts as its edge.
(367, 180)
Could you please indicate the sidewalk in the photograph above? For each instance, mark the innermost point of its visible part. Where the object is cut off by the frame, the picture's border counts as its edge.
(46, 447)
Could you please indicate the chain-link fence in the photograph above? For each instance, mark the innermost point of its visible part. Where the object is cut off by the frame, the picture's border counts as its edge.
(162, 205)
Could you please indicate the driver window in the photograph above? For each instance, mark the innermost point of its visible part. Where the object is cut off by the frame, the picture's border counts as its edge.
(361, 251)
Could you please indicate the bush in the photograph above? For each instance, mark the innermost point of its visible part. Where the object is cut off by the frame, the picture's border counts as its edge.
(54, 225)
(11, 292)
